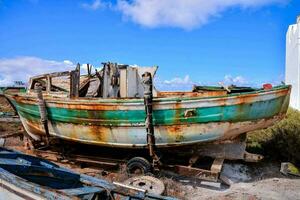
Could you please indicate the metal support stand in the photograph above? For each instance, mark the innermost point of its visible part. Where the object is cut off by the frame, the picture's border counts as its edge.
(148, 97)
(202, 174)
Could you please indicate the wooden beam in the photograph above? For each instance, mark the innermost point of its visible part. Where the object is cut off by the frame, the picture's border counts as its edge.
(55, 74)
(217, 165)
(74, 82)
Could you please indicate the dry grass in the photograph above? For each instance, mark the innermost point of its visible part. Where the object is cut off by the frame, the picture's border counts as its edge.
(281, 141)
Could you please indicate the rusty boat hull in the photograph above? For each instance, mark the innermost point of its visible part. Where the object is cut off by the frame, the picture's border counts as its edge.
(178, 121)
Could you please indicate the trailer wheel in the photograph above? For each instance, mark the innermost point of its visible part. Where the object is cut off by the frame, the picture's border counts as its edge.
(150, 184)
(138, 165)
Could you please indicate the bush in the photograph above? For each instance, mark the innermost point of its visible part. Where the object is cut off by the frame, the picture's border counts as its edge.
(281, 141)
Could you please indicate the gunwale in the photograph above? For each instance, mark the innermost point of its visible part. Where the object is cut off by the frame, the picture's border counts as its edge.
(96, 101)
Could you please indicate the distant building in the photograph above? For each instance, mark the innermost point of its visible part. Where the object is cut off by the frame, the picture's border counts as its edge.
(292, 68)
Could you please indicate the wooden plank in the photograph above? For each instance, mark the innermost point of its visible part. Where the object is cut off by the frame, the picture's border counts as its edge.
(198, 173)
(217, 165)
(132, 82)
(123, 83)
(106, 81)
(74, 82)
(10, 119)
(49, 83)
(55, 74)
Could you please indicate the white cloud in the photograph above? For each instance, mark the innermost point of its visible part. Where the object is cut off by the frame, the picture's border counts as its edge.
(186, 83)
(176, 83)
(186, 14)
(21, 68)
(68, 62)
(178, 80)
(237, 80)
(96, 4)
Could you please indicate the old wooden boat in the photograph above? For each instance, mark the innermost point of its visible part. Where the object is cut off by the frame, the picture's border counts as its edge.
(26, 177)
(107, 109)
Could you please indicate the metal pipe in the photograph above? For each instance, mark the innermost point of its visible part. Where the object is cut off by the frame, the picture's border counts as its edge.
(129, 187)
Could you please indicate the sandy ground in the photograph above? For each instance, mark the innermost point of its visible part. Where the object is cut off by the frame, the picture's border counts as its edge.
(258, 181)
(251, 181)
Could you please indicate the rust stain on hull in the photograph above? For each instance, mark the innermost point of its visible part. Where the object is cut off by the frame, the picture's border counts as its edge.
(135, 137)
(217, 118)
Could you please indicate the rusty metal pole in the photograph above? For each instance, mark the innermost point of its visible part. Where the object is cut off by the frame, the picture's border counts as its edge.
(43, 111)
(148, 99)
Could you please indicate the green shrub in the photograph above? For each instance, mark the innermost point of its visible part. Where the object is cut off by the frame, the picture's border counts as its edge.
(281, 141)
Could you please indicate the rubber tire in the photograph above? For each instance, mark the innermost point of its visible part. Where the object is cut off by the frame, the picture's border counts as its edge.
(138, 163)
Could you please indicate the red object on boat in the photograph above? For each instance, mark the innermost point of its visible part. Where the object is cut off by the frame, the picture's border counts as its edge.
(267, 86)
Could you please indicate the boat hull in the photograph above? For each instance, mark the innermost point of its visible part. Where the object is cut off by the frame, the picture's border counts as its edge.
(10, 191)
(177, 121)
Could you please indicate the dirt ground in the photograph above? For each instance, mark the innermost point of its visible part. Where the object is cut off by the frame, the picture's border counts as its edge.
(4, 105)
(251, 181)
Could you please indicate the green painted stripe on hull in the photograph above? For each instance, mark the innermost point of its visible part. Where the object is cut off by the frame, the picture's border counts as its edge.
(230, 113)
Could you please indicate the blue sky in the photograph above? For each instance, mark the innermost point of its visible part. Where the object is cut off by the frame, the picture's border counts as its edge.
(192, 41)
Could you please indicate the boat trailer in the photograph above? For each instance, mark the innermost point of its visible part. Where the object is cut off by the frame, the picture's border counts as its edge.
(139, 164)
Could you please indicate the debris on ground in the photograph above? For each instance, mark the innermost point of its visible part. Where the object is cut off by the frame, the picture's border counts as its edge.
(148, 183)
(288, 168)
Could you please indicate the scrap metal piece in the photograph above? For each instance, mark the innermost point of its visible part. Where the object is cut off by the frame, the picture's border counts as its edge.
(288, 168)
(147, 184)
(129, 187)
